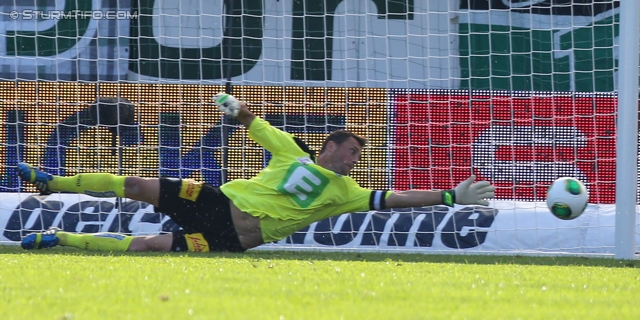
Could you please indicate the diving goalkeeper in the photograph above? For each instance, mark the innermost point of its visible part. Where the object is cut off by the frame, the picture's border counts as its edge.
(293, 191)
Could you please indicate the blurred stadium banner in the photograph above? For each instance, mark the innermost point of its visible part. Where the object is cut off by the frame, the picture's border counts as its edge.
(504, 227)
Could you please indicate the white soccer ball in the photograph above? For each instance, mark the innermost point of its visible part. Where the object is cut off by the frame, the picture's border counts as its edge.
(567, 198)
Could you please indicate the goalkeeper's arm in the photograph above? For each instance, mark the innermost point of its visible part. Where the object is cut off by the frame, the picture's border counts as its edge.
(467, 192)
(271, 138)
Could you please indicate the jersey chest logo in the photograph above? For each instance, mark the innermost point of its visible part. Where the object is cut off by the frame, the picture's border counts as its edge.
(303, 184)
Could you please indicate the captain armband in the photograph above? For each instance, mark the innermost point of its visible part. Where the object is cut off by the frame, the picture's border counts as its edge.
(378, 200)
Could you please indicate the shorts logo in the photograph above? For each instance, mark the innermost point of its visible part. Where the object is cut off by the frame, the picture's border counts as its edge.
(190, 189)
(196, 242)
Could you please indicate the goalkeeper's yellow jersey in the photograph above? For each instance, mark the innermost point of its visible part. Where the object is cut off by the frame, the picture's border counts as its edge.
(292, 191)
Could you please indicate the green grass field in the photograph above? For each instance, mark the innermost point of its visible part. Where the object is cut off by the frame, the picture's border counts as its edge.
(64, 283)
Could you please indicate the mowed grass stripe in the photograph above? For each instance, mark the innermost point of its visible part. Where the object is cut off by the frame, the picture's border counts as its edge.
(65, 283)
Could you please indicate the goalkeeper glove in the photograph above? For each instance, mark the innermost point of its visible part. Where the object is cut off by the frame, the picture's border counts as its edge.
(468, 192)
(227, 104)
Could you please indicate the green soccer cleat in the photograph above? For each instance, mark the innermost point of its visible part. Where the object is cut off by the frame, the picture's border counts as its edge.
(38, 178)
(41, 240)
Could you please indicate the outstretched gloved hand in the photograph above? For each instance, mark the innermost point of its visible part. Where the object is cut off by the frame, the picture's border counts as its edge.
(468, 192)
(227, 104)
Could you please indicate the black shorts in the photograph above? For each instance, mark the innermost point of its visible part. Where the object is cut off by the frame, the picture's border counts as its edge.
(198, 208)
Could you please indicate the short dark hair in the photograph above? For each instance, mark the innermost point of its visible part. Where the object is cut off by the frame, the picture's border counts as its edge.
(340, 136)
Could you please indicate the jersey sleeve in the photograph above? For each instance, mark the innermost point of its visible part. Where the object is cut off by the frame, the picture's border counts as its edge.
(361, 199)
(272, 139)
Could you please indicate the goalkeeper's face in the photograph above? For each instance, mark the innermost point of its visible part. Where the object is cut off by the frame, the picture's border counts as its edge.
(344, 156)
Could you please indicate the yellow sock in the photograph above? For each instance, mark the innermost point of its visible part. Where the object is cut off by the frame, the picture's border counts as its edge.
(95, 241)
(93, 184)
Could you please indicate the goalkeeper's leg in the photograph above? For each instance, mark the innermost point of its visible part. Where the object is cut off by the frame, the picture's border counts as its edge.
(97, 185)
(111, 242)
(103, 185)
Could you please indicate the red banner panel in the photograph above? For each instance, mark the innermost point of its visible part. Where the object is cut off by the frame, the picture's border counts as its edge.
(519, 142)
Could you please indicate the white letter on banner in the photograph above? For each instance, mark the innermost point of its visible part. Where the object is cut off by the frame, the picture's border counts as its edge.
(483, 157)
(191, 24)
